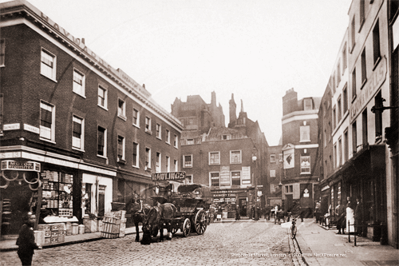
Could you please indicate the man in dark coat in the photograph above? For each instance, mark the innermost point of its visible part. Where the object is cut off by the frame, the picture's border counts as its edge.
(26, 240)
(341, 222)
(359, 216)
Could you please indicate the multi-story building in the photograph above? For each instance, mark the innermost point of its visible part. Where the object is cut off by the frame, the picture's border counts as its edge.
(334, 136)
(87, 131)
(275, 168)
(196, 115)
(369, 167)
(392, 132)
(228, 160)
(300, 145)
(325, 152)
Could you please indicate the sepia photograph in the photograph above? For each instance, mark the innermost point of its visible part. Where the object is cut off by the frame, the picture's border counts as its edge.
(199, 132)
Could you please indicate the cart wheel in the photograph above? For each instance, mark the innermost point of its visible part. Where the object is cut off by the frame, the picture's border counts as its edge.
(200, 222)
(186, 227)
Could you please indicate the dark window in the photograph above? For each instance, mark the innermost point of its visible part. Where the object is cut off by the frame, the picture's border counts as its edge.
(345, 99)
(100, 141)
(354, 83)
(364, 127)
(378, 102)
(364, 67)
(2, 52)
(376, 42)
(354, 137)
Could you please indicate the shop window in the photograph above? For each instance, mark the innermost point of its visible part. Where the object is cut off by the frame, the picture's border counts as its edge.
(236, 178)
(57, 190)
(235, 157)
(47, 123)
(101, 141)
(48, 65)
(136, 117)
(135, 154)
(78, 133)
(214, 157)
(102, 97)
(121, 109)
(101, 200)
(188, 161)
(305, 164)
(121, 149)
(214, 179)
(78, 83)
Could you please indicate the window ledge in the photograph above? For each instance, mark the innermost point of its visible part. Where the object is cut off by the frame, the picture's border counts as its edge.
(135, 125)
(305, 173)
(121, 161)
(167, 142)
(78, 149)
(149, 132)
(102, 107)
(122, 117)
(376, 62)
(353, 47)
(159, 138)
(301, 141)
(48, 140)
(363, 84)
(102, 156)
(361, 25)
(54, 80)
(134, 166)
(83, 96)
(354, 98)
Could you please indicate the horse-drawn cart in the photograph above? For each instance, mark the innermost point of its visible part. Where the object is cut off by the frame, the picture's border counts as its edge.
(183, 207)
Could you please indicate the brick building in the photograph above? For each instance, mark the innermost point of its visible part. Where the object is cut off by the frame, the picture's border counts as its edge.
(300, 150)
(90, 133)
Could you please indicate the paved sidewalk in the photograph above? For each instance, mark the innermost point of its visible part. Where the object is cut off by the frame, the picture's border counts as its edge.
(324, 247)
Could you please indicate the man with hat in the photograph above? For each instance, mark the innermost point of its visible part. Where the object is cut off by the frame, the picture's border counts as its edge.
(26, 240)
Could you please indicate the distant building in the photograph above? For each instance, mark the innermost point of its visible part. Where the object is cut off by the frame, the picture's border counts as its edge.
(196, 115)
(231, 160)
(299, 147)
(275, 168)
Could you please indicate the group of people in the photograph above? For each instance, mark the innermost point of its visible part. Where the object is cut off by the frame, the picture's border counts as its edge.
(344, 212)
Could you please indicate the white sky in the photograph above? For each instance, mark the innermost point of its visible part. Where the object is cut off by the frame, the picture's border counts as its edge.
(256, 49)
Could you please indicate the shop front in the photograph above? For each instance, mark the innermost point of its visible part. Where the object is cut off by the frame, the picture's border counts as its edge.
(364, 179)
(228, 200)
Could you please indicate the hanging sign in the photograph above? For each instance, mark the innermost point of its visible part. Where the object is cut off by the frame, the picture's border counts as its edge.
(168, 176)
(20, 166)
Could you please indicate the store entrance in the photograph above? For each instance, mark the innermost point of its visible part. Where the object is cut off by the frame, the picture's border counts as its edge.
(15, 201)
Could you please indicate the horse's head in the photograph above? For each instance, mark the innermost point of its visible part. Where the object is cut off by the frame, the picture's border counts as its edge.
(150, 220)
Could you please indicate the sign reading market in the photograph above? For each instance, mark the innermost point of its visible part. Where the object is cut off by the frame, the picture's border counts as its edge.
(20, 165)
(173, 176)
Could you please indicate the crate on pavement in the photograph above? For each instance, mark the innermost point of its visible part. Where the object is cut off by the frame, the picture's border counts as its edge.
(111, 227)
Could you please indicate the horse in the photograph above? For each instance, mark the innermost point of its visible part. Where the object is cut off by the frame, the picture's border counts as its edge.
(138, 212)
(154, 222)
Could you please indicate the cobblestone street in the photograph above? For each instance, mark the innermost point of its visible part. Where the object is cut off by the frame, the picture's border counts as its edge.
(238, 243)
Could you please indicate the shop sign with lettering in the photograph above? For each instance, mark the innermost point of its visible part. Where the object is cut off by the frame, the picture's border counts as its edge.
(168, 176)
(375, 81)
(20, 165)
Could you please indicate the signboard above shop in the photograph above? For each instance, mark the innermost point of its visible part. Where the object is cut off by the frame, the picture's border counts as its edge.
(173, 176)
(20, 165)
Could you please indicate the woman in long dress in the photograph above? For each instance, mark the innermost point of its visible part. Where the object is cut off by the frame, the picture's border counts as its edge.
(350, 217)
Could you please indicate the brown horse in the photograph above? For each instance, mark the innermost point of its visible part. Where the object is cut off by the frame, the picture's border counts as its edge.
(154, 221)
(138, 212)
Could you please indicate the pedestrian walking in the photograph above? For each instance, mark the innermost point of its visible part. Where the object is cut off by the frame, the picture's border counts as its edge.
(26, 240)
(341, 222)
(237, 213)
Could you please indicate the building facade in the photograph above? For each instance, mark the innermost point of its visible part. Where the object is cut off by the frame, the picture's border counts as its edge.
(74, 131)
(300, 150)
(275, 168)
